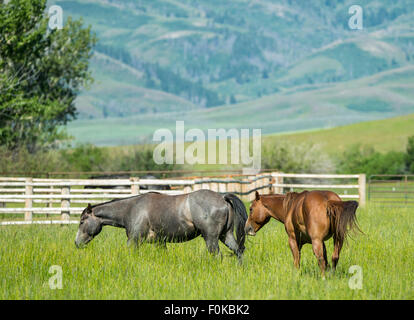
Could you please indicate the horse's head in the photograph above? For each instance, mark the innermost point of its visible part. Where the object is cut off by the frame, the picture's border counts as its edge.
(89, 227)
(258, 217)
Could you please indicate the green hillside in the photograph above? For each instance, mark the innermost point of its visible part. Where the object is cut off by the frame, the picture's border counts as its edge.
(384, 95)
(160, 56)
(114, 79)
(383, 135)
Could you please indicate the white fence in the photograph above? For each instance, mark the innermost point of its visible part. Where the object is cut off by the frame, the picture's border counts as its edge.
(359, 185)
(68, 197)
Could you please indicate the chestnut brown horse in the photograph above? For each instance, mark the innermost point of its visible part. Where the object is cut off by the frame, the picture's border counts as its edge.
(309, 217)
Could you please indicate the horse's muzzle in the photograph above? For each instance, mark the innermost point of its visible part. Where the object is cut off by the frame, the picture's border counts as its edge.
(79, 245)
(82, 240)
(249, 230)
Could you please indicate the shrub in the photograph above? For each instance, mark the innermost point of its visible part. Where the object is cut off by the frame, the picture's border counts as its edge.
(366, 160)
(81, 158)
(139, 159)
(20, 161)
(86, 157)
(296, 158)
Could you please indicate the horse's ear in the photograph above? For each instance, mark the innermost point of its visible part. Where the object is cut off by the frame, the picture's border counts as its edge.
(257, 196)
(89, 208)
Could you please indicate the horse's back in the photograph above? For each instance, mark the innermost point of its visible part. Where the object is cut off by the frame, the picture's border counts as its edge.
(208, 208)
(165, 216)
(315, 214)
(207, 199)
(181, 216)
(319, 198)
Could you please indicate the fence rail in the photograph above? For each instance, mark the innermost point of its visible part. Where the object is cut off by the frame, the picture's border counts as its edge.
(391, 190)
(68, 197)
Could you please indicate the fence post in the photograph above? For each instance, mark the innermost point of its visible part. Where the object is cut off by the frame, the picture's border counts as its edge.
(238, 187)
(245, 189)
(214, 186)
(252, 185)
(222, 187)
(134, 186)
(269, 187)
(277, 180)
(50, 203)
(362, 190)
(197, 184)
(187, 189)
(205, 185)
(229, 185)
(65, 204)
(260, 184)
(29, 201)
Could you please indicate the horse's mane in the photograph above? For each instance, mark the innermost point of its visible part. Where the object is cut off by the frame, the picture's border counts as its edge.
(290, 200)
(120, 199)
(116, 200)
(272, 195)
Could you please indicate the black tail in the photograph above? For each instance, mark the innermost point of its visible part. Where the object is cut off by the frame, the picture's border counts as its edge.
(240, 217)
(343, 217)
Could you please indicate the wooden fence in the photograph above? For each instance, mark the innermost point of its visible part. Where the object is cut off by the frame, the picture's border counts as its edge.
(68, 197)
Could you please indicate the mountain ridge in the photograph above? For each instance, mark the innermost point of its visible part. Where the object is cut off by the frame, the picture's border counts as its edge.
(197, 56)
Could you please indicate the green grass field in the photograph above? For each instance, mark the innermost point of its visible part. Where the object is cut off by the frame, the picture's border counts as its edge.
(383, 135)
(108, 269)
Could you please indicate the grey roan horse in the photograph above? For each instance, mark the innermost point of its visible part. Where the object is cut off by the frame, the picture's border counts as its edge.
(155, 217)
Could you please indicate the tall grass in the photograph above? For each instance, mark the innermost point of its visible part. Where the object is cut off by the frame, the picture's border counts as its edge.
(108, 269)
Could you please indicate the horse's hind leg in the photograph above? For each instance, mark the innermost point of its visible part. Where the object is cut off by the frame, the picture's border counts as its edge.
(325, 257)
(132, 242)
(212, 244)
(231, 243)
(161, 243)
(317, 245)
(337, 250)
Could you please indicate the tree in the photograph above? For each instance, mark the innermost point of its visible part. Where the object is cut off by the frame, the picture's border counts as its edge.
(409, 157)
(41, 73)
(357, 159)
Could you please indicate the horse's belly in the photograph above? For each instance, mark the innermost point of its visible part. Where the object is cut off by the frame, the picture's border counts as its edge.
(176, 233)
(305, 238)
(180, 235)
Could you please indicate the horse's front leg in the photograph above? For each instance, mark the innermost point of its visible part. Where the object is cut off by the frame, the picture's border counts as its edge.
(137, 236)
(132, 241)
(294, 245)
